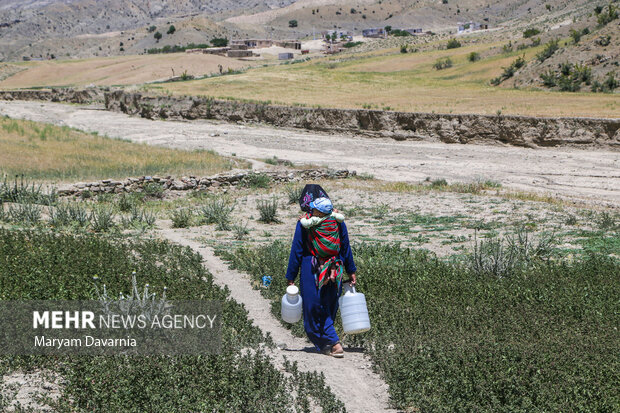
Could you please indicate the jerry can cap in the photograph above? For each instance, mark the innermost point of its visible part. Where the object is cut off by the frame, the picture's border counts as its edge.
(292, 290)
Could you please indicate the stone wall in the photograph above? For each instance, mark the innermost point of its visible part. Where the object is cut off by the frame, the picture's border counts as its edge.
(196, 183)
(512, 130)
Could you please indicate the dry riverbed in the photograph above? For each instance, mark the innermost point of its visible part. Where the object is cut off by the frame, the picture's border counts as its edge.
(576, 174)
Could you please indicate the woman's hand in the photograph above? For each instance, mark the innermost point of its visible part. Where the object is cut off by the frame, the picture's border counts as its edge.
(353, 279)
(290, 282)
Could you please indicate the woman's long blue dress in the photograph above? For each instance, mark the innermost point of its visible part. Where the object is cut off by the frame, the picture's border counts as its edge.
(319, 310)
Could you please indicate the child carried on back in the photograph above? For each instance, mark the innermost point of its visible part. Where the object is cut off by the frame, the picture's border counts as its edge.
(324, 233)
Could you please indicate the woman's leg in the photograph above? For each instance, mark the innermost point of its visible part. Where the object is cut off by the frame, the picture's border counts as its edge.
(319, 309)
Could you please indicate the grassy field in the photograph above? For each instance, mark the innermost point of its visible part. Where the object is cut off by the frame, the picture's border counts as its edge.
(43, 151)
(404, 82)
(118, 70)
(233, 380)
(536, 335)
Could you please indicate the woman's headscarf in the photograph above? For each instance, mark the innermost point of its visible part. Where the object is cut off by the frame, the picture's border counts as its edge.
(309, 194)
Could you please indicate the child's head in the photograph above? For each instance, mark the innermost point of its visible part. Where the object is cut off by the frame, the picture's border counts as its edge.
(321, 207)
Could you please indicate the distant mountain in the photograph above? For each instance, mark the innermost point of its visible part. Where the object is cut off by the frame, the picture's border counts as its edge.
(85, 28)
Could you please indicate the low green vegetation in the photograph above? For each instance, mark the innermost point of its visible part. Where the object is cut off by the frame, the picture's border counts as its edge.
(473, 56)
(509, 71)
(268, 210)
(233, 380)
(550, 48)
(606, 14)
(511, 326)
(453, 44)
(571, 77)
(531, 32)
(443, 63)
(349, 45)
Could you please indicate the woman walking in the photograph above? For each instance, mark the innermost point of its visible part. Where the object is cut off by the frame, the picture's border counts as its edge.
(320, 299)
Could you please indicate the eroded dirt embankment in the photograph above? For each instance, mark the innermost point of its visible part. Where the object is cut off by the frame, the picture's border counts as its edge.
(55, 95)
(511, 130)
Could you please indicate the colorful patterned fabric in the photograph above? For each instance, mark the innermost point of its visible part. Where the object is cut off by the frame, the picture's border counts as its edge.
(309, 194)
(325, 247)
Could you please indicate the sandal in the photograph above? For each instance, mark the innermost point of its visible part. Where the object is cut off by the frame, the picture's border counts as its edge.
(337, 354)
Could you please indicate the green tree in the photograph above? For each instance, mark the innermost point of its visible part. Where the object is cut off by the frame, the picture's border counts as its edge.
(219, 42)
(292, 23)
(453, 44)
(171, 29)
(157, 36)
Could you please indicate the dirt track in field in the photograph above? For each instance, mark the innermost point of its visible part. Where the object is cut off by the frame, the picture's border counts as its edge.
(587, 175)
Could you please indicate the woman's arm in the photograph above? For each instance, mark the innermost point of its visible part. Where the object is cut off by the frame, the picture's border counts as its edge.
(297, 249)
(345, 250)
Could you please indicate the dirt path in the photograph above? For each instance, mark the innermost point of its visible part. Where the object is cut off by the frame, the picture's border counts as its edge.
(588, 175)
(351, 378)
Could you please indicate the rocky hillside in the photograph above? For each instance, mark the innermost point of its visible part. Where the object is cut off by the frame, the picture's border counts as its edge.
(40, 29)
(44, 29)
(587, 55)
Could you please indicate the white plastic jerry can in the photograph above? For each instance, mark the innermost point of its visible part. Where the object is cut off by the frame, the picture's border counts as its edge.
(353, 311)
(291, 305)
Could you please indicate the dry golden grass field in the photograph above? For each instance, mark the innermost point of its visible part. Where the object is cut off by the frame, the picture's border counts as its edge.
(43, 151)
(119, 70)
(403, 82)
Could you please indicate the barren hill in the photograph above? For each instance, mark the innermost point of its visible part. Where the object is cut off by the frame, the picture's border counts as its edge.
(39, 29)
(44, 29)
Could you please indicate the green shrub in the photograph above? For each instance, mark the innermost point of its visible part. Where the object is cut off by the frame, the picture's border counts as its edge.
(531, 32)
(240, 230)
(473, 56)
(125, 203)
(400, 33)
(604, 41)
(348, 45)
(219, 42)
(403, 48)
(102, 218)
(293, 193)
(576, 35)
(22, 190)
(268, 210)
(181, 218)
(154, 190)
(550, 48)
(509, 71)
(608, 15)
(218, 211)
(606, 86)
(549, 78)
(443, 63)
(25, 212)
(256, 180)
(139, 219)
(453, 44)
